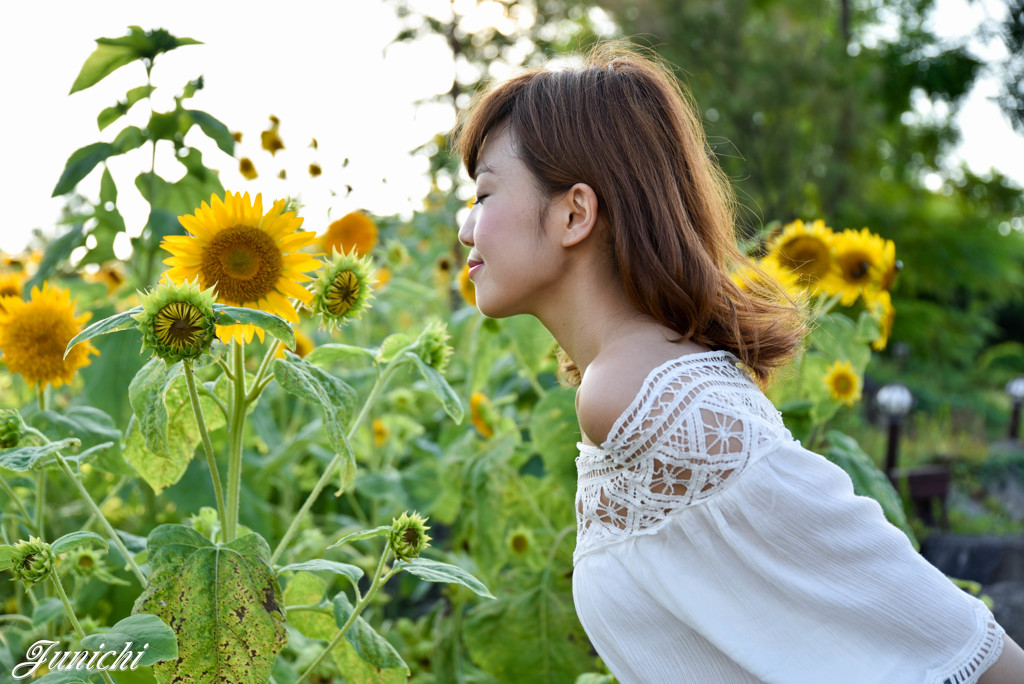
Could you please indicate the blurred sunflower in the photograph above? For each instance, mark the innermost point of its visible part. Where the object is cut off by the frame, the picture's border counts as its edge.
(355, 230)
(303, 345)
(12, 283)
(381, 432)
(804, 250)
(247, 168)
(315, 170)
(466, 286)
(520, 540)
(886, 314)
(250, 259)
(842, 382)
(482, 414)
(269, 139)
(35, 333)
(859, 256)
(766, 277)
(891, 266)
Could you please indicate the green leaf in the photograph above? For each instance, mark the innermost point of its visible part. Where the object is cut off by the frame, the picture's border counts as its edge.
(47, 610)
(93, 427)
(440, 387)
(868, 479)
(73, 540)
(108, 189)
(370, 646)
(436, 571)
(183, 196)
(146, 633)
(554, 431)
(147, 393)
(166, 437)
(129, 139)
(381, 531)
(81, 162)
(353, 573)
(329, 353)
(121, 321)
(332, 395)
(7, 556)
(214, 129)
(307, 589)
(23, 458)
(58, 251)
(105, 60)
(275, 325)
(222, 601)
(112, 114)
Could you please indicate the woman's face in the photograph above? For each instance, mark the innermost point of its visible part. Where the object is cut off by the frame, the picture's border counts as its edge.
(514, 257)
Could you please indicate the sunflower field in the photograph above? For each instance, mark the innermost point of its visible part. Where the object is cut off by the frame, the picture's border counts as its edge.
(325, 465)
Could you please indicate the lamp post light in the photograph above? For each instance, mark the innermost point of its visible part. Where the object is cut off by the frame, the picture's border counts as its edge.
(1015, 388)
(895, 401)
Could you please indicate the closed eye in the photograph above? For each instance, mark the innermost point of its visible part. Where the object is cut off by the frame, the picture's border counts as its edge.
(479, 199)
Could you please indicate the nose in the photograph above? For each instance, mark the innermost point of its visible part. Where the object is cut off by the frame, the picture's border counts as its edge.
(466, 231)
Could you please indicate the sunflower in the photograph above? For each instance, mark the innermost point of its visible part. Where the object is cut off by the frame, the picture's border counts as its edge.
(315, 170)
(343, 290)
(804, 250)
(886, 314)
(381, 432)
(35, 333)
(247, 168)
(842, 382)
(269, 139)
(355, 230)
(520, 541)
(11, 284)
(466, 286)
(859, 257)
(765, 278)
(381, 277)
(250, 259)
(890, 266)
(303, 345)
(482, 414)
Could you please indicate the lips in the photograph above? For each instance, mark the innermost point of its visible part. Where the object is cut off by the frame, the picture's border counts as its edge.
(474, 265)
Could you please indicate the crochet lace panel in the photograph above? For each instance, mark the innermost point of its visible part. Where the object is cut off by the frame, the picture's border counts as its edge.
(696, 422)
(977, 656)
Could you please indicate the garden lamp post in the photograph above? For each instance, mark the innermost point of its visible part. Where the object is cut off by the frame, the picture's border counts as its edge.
(895, 401)
(1015, 388)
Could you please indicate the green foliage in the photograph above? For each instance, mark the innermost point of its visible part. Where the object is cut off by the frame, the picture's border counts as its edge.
(228, 597)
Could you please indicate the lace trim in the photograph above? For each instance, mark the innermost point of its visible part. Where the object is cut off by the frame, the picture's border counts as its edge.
(696, 422)
(977, 656)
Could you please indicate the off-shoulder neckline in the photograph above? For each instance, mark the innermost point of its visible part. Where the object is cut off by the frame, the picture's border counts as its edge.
(680, 360)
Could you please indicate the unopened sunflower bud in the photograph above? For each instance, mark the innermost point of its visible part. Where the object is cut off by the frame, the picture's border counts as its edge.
(12, 428)
(33, 561)
(432, 345)
(177, 321)
(343, 290)
(408, 536)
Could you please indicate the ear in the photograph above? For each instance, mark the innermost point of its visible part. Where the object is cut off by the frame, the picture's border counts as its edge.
(578, 208)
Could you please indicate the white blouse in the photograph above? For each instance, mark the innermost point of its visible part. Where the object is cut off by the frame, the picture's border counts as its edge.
(712, 547)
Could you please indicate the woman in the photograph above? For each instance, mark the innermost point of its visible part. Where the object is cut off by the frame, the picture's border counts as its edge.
(711, 546)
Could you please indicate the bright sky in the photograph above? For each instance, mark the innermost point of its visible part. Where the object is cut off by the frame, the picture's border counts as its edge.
(324, 68)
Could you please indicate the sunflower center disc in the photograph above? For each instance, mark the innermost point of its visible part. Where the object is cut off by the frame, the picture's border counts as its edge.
(244, 262)
(807, 255)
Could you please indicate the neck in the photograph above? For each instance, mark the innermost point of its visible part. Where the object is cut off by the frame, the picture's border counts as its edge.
(589, 313)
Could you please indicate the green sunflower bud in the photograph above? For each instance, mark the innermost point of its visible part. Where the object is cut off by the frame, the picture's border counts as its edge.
(432, 345)
(343, 290)
(391, 345)
(177, 321)
(12, 428)
(408, 536)
(33, 560)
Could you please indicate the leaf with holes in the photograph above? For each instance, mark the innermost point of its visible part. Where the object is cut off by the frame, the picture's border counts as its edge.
(222, 601)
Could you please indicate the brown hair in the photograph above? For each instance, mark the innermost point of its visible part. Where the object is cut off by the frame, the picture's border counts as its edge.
(624, 125)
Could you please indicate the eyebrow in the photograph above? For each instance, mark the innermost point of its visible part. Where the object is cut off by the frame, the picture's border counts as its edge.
(482, 168)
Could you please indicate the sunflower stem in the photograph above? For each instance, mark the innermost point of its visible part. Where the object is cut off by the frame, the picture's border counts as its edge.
(362, 602)
(69, 609)
(114, 537)
(107, 499)
(17, 502)
(40, 499)
(238, 406)
(197, 411)
(336, 461)
(264, 365)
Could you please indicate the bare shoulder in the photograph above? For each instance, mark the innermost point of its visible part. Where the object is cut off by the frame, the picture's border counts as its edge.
(614, 379)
